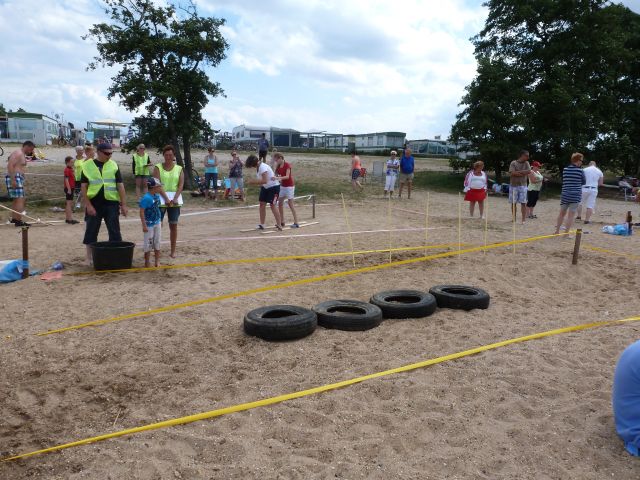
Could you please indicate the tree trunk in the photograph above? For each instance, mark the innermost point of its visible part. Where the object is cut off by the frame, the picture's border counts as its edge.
(188, 172)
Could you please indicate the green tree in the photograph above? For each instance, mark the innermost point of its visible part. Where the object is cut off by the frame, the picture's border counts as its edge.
(3, 111)
(161, 52)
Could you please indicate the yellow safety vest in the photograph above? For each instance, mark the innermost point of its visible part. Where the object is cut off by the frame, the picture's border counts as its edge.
(97, 179)
(142, 167)
(170, 179)
(77, 169)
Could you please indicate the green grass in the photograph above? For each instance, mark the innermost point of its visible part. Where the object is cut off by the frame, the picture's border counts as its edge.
(436, 181)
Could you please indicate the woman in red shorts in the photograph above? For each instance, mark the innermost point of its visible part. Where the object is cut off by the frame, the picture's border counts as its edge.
(475, 186)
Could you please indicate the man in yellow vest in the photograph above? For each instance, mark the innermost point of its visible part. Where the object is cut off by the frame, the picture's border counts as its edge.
(141, 163)
(104, 197)
(77, 172)
(171, 176)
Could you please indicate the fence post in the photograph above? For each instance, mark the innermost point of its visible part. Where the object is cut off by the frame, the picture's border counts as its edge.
(25, 251)
(576, 247)
(313, 206)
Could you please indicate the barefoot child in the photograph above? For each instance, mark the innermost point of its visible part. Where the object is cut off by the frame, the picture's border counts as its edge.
(69, 188)
(287, 188)
(269, 189)
(150, 218)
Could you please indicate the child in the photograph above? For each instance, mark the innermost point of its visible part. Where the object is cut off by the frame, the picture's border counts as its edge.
(287, 188)
(69, 188)
(393, 165)
(150, 218)
(269, 189)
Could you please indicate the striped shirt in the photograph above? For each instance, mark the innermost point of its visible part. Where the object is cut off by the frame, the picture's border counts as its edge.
(572, 180)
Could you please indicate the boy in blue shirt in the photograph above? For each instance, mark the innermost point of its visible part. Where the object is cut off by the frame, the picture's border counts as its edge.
(150, 218)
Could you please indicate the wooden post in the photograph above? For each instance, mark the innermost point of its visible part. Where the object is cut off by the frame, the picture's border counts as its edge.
(576, 247)
(313, 206)
(25, 251)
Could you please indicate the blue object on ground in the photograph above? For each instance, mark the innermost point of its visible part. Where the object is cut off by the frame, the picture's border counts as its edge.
(11, 270)
(626, 398)
(57, 266)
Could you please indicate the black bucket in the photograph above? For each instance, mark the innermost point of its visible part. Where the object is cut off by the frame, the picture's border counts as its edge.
(112, 255)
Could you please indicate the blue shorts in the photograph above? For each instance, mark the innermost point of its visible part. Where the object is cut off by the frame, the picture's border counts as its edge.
(518, 194)
(172, 212)
(17, 192)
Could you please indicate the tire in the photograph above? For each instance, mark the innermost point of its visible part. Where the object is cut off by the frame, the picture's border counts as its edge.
(460, 297)
(405, 303)
(350, 315)
(280, 322)
(1, 151)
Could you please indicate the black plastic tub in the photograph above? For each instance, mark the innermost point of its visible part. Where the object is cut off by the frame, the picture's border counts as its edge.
(112, 255)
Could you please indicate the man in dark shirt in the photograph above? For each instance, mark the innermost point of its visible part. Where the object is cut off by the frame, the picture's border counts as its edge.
(99, 205)
(263, 148)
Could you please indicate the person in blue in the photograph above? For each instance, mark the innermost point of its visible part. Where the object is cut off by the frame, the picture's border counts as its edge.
(263, 148)
(626, 398)
(406, 172)
(150, 218)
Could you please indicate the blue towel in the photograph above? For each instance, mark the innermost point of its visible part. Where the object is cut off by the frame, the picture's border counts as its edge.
(626, 398)
(12, 270)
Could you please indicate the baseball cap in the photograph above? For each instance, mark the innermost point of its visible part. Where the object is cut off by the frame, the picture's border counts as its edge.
(105, 146)
(536, 164)
(153, 182)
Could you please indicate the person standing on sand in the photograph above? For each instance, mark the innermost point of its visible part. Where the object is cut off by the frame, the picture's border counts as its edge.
(407, 164)
(269, 189)
(141, 164)
(533, 190)
(287, 188)
(263, 148)
(594, 178)
(14, 179)
(104, 197)
(356, 171)
(393, 165)
(236, 179)
(475, 187)
(77, 171)
(210, 173)
(572, 181)
(171, 176)
(518, 173)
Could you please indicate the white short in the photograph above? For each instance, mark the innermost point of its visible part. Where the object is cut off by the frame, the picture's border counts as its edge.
(287, 192)
(152, 238)
(589, 197)
(390, 183)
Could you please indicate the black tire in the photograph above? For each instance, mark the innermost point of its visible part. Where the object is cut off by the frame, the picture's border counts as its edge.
(351, 315)
(460, 297)
(280, 322)
(1, 151)
(405, 303)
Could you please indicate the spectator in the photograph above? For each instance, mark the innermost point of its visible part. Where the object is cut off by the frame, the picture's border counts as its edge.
(406, 171)
(141, 164)
(69, 189)
(518, 173)
(104, 197)
(211, 173)
(393, 165)
(533, 190)
(77, 170)
(263, 148)
(171, 176)
(475, 187)
(235, 177)
(594, 178)
(572, 181)
(356, 171)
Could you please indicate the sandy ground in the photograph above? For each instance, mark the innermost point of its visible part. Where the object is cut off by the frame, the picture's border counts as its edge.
(535, 410)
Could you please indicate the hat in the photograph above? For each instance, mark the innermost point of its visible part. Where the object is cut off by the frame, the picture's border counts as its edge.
(140, 146)
(79, 148)
(153, 182)
(105, 146)
(536, 164)
(393, 152)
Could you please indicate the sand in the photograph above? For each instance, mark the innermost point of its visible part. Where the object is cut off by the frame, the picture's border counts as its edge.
(535, 410)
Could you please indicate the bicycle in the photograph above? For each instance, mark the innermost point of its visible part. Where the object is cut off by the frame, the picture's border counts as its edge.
(1, 151)
(63, 141)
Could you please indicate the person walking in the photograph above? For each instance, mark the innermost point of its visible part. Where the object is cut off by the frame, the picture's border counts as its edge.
(269, 189)
(171, 176)
(393, 166)
(236, 179)
(263, 148)
(356, 171)
(518, 173)
(407, 164)
(141, 164)
(211, 173)
(475, 187)
(287, 188)
(104, 197)
(533, 190)
(572, 181)
(594, 178)
(14, 179)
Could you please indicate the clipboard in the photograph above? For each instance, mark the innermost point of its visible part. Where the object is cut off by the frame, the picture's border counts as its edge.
(170, 195)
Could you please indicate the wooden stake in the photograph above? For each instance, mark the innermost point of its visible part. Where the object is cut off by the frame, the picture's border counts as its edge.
(389, 224)
(426, 224)
(346, 217)
(313, 206)
(486, 221)
(515, 214)
(576, 247)
(459, 230)
(25, 251)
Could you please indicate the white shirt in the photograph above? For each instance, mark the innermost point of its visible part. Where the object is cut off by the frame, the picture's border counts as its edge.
(592, 175)
(266, 168)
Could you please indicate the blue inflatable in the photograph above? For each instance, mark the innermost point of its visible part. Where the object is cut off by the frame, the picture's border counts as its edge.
(626, 398)
(11, 270)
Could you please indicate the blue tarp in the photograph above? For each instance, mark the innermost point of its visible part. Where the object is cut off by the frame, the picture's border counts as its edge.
(11, 270)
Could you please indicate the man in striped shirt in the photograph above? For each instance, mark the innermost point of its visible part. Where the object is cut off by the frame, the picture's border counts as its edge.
(572, 181)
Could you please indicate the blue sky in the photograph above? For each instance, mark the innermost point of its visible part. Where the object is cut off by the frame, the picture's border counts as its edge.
(351, 66)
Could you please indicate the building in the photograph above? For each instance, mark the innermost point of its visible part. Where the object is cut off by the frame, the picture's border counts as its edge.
(248, 135)
(371, 142)
(18, 127)
(433, 148)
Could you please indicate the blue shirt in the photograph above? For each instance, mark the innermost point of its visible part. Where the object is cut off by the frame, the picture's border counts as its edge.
(263, 145)
(151, 204)
(626, 398)
(406, 164)
(572, 180)
(209, 168)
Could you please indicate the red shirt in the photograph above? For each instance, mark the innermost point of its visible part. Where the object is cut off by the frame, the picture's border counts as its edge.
(282, 171)
(70, 175)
